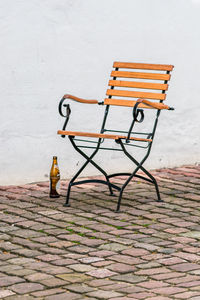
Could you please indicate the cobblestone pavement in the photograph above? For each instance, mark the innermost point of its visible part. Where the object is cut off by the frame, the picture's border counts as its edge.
(149, 250)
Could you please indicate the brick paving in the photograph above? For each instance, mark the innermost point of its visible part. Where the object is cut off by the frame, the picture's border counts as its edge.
(149, 250)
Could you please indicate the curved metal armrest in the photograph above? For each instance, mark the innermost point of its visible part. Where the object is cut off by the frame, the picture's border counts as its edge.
(67, 111)
(68, 96)
(137, 111)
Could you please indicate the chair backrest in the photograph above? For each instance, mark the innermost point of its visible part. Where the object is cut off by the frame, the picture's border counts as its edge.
(155, 82)
(131, 81)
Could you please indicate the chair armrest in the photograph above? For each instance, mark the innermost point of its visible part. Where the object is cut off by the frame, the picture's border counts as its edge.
(71, 97)
(155, 105)
(67, 96)
(64, 109)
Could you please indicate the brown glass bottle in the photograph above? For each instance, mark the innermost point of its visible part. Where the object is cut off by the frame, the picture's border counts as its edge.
(54, 178)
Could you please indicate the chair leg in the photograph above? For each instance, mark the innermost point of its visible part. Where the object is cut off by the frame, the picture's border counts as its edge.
(154, 182)
(67, 204)
(139, 167)
(89, 159)
(123, 188)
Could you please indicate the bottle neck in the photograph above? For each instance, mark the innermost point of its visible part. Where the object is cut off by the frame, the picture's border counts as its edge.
(55, 160)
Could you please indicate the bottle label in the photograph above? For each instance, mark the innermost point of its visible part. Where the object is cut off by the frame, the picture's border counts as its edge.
(58, 186)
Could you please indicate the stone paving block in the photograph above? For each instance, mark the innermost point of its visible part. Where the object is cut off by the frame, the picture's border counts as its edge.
(192, 234)
(142, 295)
(28, 233)
(64, 296)
(167, 276)
(81, 249)
(6, 293)
(74, 277)
(132, 289)
(63, 262)
(152, 271)
(185, 267)
(80, 288)
(55, 270)
(6, 256)
(7, 246)
(10, 280)
(27, 252)
(48, 257)
(48, 292)
(21, 260)
(148, 265)
(61, 244)
(116, 286)
(21, 272)
(37, 277)
(126, 259)
(135, 252)
(101, 273)
(151, 284)
(53, 282)
(44, 239)
(27, 243)
(115, 247)
(89, 260)
(21, 297)
(100, 282)
(121, 268)
(102, 253)
(168, 290)
(183, 279)
(171, 261)
(52, 250)
(129, 277)
(159, 298)
(26, 287)
(194, 298)
(190, 284)
(101, 294)
(81, 268)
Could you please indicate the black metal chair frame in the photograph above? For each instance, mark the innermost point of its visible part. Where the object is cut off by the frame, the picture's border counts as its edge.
(64, 110)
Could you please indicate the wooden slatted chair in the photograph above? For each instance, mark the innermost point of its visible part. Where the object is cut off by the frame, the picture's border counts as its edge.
(140, 86)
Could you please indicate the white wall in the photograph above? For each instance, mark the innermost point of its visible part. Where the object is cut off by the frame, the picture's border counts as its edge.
(52, 47)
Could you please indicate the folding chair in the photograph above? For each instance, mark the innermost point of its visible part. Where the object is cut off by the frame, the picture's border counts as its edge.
(135, 90)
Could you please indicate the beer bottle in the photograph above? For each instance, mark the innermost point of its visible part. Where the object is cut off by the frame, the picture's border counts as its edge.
(54, 178)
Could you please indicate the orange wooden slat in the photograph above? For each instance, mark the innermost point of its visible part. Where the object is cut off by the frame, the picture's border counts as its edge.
(68, 96)
(127, 65)
(154, 76)
(135, 84)
(100, 135)
(131, 103)
(123, 93)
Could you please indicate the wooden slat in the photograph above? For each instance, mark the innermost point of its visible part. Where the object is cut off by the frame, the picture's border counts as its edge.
(154, 76)
(131, 103)
(68, 96)
(127, 65)
(123, 93)
(135, 84)
(100, 135)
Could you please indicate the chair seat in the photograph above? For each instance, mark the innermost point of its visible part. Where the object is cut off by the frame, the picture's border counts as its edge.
(101, 135)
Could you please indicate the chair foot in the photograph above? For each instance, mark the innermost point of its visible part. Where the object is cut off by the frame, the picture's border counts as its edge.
(160, 200)
(66, 205)
(117, 210)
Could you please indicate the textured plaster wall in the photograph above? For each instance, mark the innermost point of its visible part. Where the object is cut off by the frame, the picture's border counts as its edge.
(52, 47)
